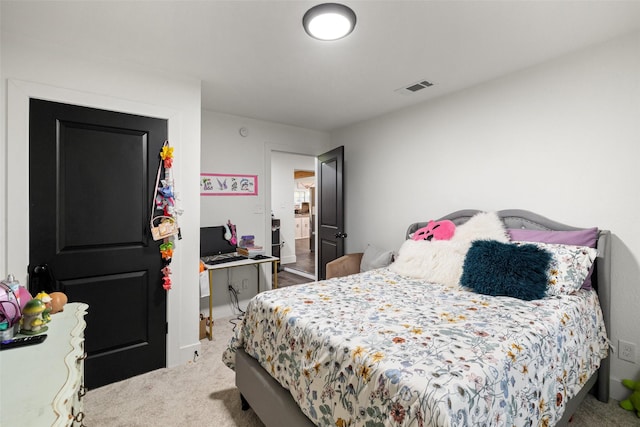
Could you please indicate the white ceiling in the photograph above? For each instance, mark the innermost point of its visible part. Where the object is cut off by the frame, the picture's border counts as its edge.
(255, 60)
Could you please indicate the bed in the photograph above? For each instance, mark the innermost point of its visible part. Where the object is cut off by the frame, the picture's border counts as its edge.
(380, 348)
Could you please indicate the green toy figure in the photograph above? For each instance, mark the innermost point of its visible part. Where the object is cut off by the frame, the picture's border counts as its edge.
(633, 402)
(46, 299)
(32, 322)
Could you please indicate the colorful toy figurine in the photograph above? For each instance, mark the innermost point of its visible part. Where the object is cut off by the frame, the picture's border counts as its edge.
(46, 299)
(233, 239)
(32, 322)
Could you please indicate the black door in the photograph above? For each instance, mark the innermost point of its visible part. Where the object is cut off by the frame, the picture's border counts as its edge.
(331, 233)
(91, 182)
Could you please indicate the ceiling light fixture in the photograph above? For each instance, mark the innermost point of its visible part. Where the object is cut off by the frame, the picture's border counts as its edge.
(329, 21)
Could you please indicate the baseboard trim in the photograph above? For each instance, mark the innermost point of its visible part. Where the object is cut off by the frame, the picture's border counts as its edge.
(186, 354)
(288, 259)
(617, 391)
(300, 273)
(225, 311)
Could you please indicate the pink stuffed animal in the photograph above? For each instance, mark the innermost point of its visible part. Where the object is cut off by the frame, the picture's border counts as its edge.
(436, 230)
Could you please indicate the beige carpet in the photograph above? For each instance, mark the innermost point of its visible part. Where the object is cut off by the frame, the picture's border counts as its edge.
(202, 393)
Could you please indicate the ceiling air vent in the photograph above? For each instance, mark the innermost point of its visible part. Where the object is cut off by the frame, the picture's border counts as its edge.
(414, 87)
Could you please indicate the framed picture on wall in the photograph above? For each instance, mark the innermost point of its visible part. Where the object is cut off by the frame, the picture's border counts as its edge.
(222, 184)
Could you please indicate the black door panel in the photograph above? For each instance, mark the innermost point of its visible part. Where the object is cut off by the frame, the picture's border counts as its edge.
(92, 176)
(331, 209)
(115, 175)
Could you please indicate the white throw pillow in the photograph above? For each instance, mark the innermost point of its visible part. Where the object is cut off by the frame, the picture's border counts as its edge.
(481, 226)
(436, 261)
(441, 261)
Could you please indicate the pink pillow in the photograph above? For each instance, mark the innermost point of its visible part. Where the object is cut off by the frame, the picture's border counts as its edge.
(587, 237)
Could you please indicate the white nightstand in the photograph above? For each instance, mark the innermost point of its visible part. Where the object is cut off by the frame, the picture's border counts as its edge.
(42, 384)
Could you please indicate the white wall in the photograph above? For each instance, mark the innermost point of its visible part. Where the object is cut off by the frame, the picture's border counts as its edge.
(50, 72)
(282, 188)
(224, 150)
(561, 139)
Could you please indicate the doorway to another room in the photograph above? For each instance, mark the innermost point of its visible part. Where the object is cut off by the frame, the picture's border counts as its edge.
(293, 208)
(304, 213)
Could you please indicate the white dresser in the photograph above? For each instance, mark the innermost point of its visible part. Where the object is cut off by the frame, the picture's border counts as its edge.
(42, 384)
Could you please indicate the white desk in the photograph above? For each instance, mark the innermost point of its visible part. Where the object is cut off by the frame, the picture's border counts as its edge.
(249, 261)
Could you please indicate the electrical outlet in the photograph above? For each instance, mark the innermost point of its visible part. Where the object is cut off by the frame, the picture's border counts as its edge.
(627, 351)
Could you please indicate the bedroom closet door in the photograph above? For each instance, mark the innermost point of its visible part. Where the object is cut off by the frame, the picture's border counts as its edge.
(331, 233)
(92, 177)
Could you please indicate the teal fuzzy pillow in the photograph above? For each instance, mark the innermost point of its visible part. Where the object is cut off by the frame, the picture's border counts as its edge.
(504, 269)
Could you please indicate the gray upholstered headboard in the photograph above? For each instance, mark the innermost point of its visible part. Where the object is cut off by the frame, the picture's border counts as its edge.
(600, 279)
(512, 218)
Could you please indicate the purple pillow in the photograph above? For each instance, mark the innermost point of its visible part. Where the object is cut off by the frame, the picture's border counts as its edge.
(587, 237)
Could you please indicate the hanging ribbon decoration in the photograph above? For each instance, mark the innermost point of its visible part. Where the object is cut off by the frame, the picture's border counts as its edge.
(165, 201)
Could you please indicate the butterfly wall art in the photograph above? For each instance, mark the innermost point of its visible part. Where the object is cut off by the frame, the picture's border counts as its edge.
(220, 184)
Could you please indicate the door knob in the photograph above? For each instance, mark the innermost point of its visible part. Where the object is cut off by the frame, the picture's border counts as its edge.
(341, 235)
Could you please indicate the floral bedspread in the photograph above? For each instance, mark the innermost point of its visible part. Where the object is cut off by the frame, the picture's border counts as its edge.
(379, 349)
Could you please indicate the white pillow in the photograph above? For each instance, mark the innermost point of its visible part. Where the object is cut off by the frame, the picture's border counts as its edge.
(481, 226)
(441, 261)
(374, 257)
(436, 261)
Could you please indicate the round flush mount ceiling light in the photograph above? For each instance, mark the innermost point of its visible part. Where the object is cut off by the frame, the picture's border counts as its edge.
(329, 21)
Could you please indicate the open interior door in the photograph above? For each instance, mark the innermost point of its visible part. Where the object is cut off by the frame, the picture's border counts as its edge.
(330, 233)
